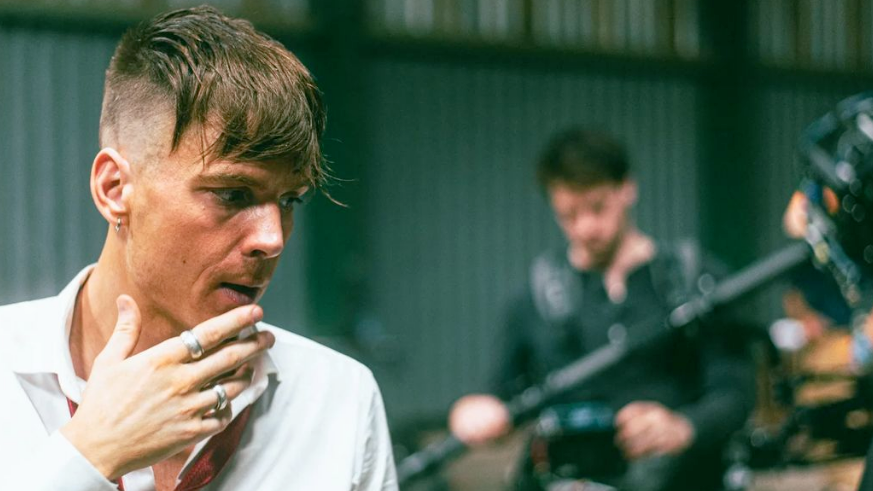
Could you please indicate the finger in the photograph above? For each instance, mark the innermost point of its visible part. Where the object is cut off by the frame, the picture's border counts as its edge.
(640, 443)
(471, 431)
(459, 422)
(487, 429)
(473, 434)
(126, 334)
(230, 357)
(206, 400)
(463, 432)
(639, 449)
(215, 422)
(658, 440)
(633, 411)
(628, 413)
(635, 429)
(476, 419)
(212, 332)
(244, 370)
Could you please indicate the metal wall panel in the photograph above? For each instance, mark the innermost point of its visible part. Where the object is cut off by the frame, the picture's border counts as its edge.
(454, 213)
(50, 92)
(51, 87)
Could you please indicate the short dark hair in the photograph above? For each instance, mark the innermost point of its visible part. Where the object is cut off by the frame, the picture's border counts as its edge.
(222, 75)
(582, 158)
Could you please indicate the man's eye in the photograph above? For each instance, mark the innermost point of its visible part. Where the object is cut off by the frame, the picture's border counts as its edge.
(233, 197)
(597, 208)
(288, 202)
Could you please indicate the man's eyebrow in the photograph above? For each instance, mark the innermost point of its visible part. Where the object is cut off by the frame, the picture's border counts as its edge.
(225, 179)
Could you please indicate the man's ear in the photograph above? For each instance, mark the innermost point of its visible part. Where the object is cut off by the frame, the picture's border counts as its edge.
(629, 192)
(111, 185)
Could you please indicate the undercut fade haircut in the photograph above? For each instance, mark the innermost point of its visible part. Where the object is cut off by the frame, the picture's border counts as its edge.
(224, 78)
(582, 158)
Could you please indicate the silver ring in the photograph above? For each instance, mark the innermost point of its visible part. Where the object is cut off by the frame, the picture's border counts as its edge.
(222, 397)
(190, 341)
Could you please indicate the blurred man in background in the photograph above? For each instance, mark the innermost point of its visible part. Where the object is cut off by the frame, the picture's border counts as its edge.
(673, 406)
(152, 370)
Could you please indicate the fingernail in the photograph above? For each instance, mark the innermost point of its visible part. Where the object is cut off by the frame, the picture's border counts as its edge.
(121, 303)
(257, 314)
(247, 332)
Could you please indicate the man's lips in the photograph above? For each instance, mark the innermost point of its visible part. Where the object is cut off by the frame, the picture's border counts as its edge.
(249, 293)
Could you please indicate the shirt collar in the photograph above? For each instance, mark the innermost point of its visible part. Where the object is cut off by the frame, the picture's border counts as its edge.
(42, 333)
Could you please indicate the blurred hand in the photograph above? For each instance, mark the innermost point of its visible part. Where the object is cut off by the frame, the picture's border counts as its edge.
(646, 429)
(794, 220)
(795, 307)
(479, 418)
(139, 410)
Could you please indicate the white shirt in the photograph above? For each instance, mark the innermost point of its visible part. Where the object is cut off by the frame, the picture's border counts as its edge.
(317, 423)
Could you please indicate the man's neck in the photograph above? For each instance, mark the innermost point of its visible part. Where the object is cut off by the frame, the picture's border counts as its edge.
(95, 314)
(633, 250)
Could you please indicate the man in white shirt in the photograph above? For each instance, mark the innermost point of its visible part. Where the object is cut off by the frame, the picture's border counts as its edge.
(152, 369)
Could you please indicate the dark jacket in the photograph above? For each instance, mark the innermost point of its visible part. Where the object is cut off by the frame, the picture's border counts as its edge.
(565, 313)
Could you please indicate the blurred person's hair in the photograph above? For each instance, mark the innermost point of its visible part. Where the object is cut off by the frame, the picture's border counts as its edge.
(582, 158)
(249, 98)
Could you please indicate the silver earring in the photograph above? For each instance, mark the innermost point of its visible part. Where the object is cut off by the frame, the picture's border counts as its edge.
(117, 224)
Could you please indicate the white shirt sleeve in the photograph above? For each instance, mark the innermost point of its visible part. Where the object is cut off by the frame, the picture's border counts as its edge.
(52, 465)
(377, 471)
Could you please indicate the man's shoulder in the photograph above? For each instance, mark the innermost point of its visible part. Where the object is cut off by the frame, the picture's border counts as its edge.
(293, 353)
(24, 324)
(553, 256)
(30, 312)
(553, 286)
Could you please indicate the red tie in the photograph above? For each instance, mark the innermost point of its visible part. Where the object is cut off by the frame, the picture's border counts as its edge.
(217, 452)
(212, 459)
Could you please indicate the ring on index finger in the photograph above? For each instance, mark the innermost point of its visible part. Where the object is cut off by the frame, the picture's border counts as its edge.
(221, 403)
(189, 339)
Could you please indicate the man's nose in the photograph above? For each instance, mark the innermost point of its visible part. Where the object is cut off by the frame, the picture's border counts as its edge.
(583, 226)
(266, 237)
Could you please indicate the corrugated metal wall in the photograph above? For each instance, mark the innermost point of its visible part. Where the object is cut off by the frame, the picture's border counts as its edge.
(50, 91)
(51, 86)
(455, 215)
